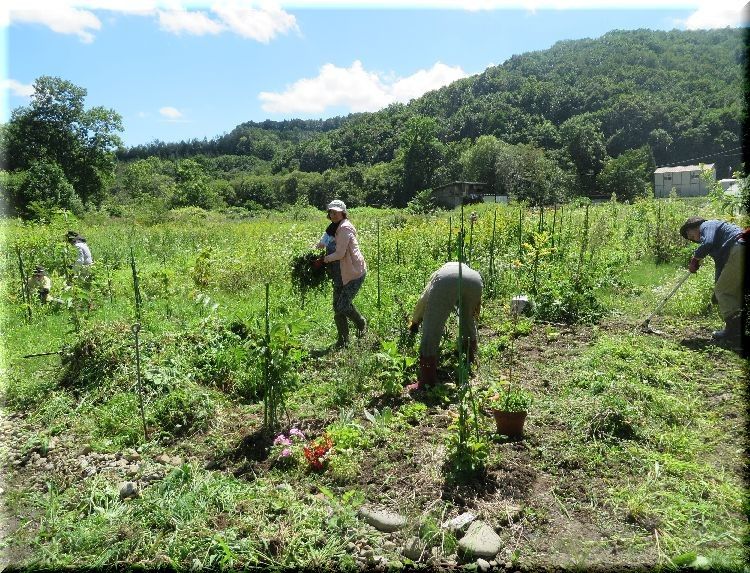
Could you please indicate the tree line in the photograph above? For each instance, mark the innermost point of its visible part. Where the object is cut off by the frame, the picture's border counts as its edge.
(585, 117)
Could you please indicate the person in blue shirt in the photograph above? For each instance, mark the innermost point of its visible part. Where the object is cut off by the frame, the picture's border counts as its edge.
(724, 242)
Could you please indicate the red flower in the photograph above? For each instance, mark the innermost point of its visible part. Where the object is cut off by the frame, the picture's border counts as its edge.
(316, 455)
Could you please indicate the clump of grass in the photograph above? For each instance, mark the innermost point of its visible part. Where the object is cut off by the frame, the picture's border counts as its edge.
(183, 410)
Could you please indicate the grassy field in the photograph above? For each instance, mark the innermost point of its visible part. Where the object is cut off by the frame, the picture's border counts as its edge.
(633, 452)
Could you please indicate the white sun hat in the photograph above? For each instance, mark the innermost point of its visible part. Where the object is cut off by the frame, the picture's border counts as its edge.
(336, 205)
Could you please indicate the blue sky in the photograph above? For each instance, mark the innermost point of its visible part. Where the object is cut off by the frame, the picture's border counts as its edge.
(177, 70)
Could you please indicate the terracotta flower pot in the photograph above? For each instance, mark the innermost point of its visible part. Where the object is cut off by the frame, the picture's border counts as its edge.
(509, 423)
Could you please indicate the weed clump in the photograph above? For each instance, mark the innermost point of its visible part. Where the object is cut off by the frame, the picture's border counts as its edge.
(304, 276)
(568, 301)
(97, 354)
(183, 410)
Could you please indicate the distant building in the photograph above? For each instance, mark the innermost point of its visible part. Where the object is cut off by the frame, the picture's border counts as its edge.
(686, 179)
(456, 193)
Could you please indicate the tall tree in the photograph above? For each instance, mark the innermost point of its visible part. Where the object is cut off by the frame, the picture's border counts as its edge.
(420, 154)
(56, 129)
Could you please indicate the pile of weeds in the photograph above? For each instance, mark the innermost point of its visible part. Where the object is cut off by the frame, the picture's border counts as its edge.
(99, 353)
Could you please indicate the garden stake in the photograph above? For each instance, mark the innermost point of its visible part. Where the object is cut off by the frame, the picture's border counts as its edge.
(584, 244)
(136, 290)
(645, 327)
(520, 231)
(42, 354)
(136, 328)
(24, 286)
(492, 253)
(378, 227)
(450, 237)
(109, 283)
(472, 218)
(554, 223)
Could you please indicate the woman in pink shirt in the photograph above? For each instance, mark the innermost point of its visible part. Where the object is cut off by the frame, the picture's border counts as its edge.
(352, 267)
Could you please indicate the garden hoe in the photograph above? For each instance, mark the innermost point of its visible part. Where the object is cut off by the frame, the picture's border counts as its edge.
(645, 327)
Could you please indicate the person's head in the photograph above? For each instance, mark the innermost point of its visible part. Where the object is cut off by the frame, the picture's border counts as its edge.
(691, 229)
(39, 272)
(336, 211)
(71, 236)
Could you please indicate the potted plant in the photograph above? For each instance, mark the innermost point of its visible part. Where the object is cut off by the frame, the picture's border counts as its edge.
(509, 405)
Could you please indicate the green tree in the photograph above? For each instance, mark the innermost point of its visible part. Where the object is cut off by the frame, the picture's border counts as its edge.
(56, 129)
(420, 154)
(583, 139)
(479, 162)
(192, 187)
(628, 174)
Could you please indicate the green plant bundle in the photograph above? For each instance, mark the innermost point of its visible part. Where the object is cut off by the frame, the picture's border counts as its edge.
(304, 276)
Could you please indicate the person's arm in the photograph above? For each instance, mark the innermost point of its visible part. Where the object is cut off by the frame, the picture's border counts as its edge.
(708, 236)
(343, 237)
(418, 313)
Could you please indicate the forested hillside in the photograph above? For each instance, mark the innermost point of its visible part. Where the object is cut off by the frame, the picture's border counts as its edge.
(584, 117)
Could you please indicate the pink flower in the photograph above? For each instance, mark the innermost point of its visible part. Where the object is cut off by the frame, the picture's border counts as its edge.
(286, 452)
(282, 440)
(296, 432)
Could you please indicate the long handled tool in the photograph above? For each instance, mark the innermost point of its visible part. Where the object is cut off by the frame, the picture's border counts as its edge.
(645, 326)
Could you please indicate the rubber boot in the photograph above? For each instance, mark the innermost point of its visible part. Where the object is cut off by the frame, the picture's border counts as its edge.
(427, 374)
(342, 328)
(358, 320)
(732, 331)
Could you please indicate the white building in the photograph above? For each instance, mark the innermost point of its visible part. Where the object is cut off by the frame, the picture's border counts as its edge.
(685, 179)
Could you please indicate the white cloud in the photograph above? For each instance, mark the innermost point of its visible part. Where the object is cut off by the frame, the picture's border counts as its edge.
(715, 15)
(16, 88)
(356, 89)
(195, 23)
(59, 18)
(171, 113)
(258, 24)
(260, 21)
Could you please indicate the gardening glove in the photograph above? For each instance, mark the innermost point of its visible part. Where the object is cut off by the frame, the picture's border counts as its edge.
(413, 327)
(694, 264)
(318, 263)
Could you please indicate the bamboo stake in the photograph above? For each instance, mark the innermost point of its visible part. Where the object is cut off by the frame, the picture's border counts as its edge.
(24, 285)
(136, 328)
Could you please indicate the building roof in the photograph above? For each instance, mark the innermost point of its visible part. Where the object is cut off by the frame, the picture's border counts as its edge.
(678, 168)
(452, 183)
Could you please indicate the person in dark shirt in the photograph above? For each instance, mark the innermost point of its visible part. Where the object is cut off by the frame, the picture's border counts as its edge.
(725, 244)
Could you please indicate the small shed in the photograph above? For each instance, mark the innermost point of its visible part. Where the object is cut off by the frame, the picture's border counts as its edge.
(685, 179)
(453, 194)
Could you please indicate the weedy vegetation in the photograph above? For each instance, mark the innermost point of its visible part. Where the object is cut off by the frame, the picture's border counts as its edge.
(262, 441)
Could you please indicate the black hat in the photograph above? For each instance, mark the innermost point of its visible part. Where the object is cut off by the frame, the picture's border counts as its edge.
(71, 234)
(39, 271)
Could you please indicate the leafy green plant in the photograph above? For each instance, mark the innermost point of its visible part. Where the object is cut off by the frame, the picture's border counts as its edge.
(412, 413)
(508, 398)
(395, 367)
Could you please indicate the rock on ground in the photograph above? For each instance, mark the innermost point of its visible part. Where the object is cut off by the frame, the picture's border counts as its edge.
(480, 540)
(381, 519)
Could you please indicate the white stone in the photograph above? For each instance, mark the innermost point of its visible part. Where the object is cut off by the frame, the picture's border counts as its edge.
(482, 564)
(128, 489)
(382, 520)
(480, 540)
(413, 549)
(459, 522)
